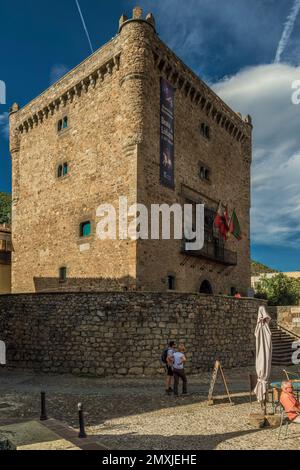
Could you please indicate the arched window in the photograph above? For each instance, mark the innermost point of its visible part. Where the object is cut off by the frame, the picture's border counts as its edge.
(206, 288)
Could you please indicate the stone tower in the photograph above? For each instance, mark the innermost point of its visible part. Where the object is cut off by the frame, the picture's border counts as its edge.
(95, 136)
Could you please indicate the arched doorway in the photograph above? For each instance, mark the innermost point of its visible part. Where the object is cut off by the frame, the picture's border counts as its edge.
(206, 288)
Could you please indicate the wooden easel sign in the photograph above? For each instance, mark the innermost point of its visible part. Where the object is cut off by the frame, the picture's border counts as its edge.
(213, 381)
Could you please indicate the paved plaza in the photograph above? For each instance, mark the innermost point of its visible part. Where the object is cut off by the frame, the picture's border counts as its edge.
(131, 414)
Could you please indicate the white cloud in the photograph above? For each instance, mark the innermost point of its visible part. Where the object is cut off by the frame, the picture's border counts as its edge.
(265, 92)
(4, 125)
(57, 71)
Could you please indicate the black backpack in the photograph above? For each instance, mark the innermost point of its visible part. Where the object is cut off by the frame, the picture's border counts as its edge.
(164, 356)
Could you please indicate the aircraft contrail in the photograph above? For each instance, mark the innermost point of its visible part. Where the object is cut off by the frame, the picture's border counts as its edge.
(84, 26)
(288, 29)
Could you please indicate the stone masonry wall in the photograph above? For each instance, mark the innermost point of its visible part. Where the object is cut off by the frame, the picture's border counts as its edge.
(287, 317)
(229, 162)
(124, 333)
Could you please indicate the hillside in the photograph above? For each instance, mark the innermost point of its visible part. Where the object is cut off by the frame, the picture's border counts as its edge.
(259, 268)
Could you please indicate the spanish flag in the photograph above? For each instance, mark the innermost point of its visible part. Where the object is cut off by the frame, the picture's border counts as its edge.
(222, 222)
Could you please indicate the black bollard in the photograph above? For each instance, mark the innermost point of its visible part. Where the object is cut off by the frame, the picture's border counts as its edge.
(43, 407)
(82, 433)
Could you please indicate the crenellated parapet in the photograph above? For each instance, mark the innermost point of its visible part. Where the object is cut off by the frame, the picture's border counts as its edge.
(82, 86)
(194, 89)
(137, 15)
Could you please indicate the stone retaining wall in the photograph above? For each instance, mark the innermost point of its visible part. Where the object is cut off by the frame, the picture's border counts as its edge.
(287, 317)
(124, 333)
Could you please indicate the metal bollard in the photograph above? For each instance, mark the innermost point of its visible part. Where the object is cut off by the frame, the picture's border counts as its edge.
(82, 433)
(43, 407)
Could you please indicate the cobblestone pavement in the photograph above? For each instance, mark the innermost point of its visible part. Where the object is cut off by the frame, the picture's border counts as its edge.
(136, 414)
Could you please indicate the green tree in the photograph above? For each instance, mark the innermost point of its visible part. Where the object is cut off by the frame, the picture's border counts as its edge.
(279, 290)
(5, 208)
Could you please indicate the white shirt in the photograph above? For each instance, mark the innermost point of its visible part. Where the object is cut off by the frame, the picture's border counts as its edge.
(178, 364)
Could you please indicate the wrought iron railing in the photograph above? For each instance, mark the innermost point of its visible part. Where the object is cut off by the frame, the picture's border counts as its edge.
(213, 251)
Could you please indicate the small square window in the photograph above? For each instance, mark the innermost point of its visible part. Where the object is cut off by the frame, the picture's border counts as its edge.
(59, 125)
(62, 274)
(85, 229)
(204, 173)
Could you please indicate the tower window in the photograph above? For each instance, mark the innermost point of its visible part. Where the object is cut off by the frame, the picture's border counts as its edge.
(204, 173)
(62, 170)
(85, 229)
(65, 169)
(171, 282)
(62, 274)
(63, 124)
(205, 130)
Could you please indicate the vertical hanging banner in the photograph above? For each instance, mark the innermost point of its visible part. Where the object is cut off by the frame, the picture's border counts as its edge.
(167, 93)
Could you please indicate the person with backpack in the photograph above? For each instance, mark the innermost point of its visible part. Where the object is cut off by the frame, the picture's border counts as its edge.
(167, 360)
(179, 360)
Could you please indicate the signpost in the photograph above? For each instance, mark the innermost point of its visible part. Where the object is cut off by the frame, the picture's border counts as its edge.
(217, 368)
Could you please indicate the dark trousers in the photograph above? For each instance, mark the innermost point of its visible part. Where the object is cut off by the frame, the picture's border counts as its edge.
(180, 374)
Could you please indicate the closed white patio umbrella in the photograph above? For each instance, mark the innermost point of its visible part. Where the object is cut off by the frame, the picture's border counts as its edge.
(263, 355)
(2, 353)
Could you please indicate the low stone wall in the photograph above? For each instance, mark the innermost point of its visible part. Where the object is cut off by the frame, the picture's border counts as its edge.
(124, 333)
(288, 317)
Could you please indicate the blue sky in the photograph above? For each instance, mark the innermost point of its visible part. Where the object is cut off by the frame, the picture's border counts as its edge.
(231, 44)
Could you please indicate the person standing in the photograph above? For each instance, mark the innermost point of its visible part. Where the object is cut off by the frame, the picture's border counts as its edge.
(179, 359)
(167, 359)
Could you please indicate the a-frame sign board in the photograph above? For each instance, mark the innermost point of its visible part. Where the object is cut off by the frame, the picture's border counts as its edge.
(213, 381)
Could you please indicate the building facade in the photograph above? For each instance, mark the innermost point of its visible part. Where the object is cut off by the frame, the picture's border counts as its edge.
(131, 121)
(5, 259)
